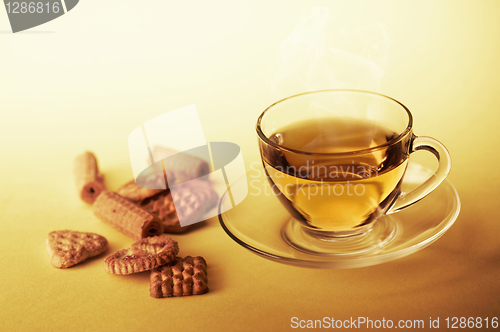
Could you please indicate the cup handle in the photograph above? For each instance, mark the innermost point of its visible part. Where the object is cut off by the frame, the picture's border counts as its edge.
(444, 159)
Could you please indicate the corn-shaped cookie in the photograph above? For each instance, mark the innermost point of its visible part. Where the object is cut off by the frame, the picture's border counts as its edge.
(126, 217)
(89, 182)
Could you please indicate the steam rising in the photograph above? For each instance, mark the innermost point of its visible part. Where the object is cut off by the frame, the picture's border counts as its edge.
(311, 57)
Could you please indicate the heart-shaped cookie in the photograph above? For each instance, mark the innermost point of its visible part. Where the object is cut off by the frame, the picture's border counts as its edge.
(67, 248)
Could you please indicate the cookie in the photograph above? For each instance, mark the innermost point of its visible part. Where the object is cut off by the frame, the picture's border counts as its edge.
(67, 248)
(144, 255)
(193, 199)
(162, 206)
(133, 192)
(125, 216)
(182, 277)
(89, 182)
(180, 166)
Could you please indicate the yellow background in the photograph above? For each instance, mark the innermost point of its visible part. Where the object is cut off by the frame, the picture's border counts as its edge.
(87, 79)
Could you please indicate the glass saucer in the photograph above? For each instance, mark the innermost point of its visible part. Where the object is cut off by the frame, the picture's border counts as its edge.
(260, 223)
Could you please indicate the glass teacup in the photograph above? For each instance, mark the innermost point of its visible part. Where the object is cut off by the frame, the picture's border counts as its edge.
(336, 160)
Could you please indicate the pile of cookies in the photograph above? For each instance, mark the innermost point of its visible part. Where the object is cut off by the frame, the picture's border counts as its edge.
(144, 215)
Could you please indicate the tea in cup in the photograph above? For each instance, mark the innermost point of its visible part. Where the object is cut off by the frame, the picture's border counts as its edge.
(336, 159)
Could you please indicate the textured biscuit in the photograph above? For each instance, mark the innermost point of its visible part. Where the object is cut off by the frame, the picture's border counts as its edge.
(67, 248)
(144, 255)
(162, 206)
(89, 182)
(182, 277)
(180, 166)
(125, 216)
(133, 192)
(193, 199)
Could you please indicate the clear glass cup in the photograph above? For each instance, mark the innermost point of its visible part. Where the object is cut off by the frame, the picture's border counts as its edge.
(336, 160)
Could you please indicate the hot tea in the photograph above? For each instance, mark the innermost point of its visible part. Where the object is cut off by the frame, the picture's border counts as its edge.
(335, 183)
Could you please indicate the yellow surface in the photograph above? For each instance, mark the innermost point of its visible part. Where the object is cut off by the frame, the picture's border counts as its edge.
(87, 79)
